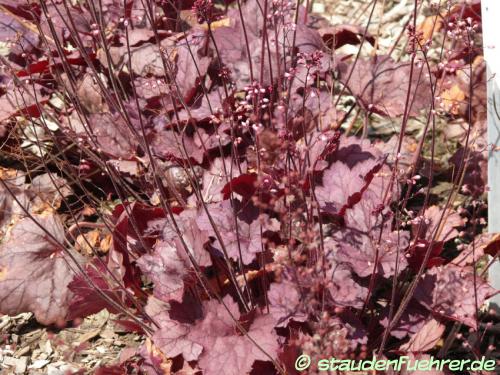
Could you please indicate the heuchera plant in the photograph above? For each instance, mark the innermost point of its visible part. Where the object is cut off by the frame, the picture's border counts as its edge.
(236, 223)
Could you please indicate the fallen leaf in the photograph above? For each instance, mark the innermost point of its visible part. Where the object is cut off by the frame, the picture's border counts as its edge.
(89, 335)
(451, 99)
(429, 26)
(106, 243)
(85, 242)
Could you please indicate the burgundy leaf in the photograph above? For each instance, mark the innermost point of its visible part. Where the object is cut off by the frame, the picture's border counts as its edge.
(353, 150)
(233, 53)
(137, 227)
(466, 9)
(236, 354)
(311, 109)
(188, 311)
(231, 44)
(151, 88)
(129, 325)
(172, 335)
(20, 99)
(33, 68)
(203, 108)
(357, 196)
(144, 60)
(136, 37)
(339, 183)
(16, 37)
(59, 16)
(343, 187)
(475, 173)
(337, 36)
(244, 185)
(307, 40)
(353, 190)
(49, 189)
(417, 253)
(321, 146)
(86, 300)
(90, 95)
(173, 339)
(135, 233)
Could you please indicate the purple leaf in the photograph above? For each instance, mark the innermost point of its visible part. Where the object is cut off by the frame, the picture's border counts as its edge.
(221, 171)
(475, 174)
(413, 318)
(284, 301)
(17, 38)
(361, 256)
(112, 135)
(16, 99)
(192, 65)
(381, 86)
(215, 340)
(194, 238)
(344, 290)
(425, 338)
(167, 271)
(203, 108)
(486, 243)
(168, 144)
(8, 205)
(227, 352)
(172, 336)
(35, 271)
(135, 232)
(353, 190)
(242, 236)
(449, 292)
(431, 220)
